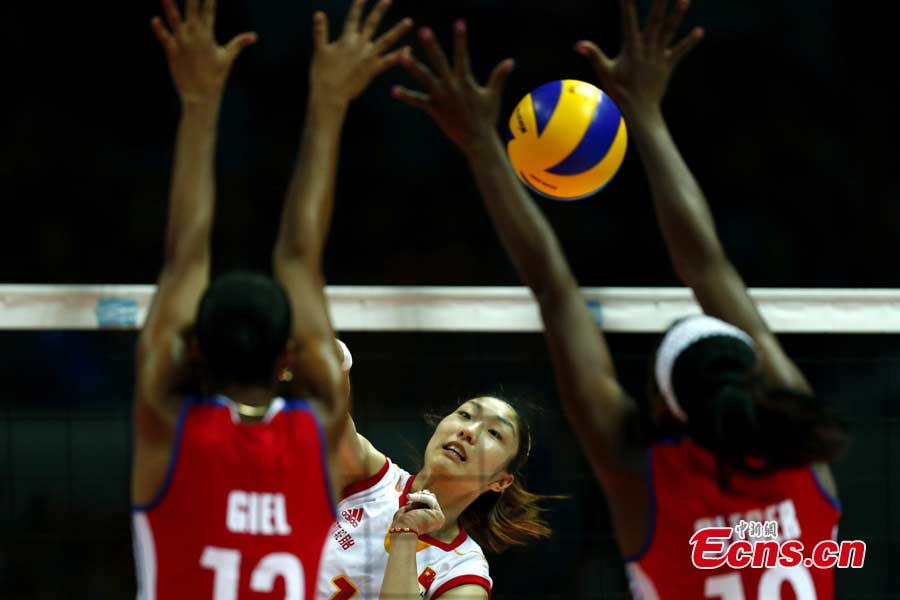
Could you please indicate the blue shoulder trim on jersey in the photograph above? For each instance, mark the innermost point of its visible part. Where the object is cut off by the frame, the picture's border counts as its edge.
(671, 440)
(836, 503)
(208, 401)
(651, 529)
(303, 405)
(297, 405)
(176, 446)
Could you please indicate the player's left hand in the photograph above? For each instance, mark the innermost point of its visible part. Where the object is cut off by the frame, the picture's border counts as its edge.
(343, 68)
(463, 109)
(637, 78)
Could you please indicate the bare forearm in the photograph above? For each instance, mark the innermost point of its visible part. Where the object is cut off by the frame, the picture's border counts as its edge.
(529, 241)
(192, 197)
(400, 575)
(310, 198)
(682, 210)
(583, 358)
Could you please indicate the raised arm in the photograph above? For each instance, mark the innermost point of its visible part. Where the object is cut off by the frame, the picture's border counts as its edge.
(637, 81)
(597, 406)
(340, 71)
(199, 68)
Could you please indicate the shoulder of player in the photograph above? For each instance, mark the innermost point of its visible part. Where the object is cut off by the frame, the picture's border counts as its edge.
(386, 477)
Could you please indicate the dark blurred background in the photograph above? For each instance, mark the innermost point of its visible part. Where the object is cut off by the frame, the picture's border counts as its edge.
(786, 112)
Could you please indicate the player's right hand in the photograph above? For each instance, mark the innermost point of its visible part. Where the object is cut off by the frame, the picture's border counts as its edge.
(421, 513)
(637, 78)
(199, 65)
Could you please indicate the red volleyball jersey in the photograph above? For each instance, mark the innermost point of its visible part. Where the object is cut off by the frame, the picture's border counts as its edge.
(244, 509)
(686, 497)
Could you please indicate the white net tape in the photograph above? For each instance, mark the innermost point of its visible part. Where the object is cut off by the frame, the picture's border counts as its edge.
(476, 309)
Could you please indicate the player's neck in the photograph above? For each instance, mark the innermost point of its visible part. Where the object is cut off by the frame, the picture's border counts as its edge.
(251, 402)
(453, 500)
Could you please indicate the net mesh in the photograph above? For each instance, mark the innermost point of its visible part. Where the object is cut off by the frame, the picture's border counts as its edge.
(65, 439)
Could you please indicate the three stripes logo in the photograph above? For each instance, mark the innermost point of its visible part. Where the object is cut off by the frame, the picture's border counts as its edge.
(353, 515)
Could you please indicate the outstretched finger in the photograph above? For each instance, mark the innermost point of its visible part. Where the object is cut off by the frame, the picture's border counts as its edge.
(162, 34)
(389, 60)
(320, 30)
(351, 24)
(673, 21)
(655, 21)
(413, 98)
(435, 55)
(461, 50)
(391, 36)
(374, 19)
(192, 9)
(630, 28)
(209, 12)
(239, 42)
(417, 69)
(595, 56)
(687, 43)
(173, 15)
(498, 76)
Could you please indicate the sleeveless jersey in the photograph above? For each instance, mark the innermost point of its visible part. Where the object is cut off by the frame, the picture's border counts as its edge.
(356, 552)
(685, 497)
(244, 509)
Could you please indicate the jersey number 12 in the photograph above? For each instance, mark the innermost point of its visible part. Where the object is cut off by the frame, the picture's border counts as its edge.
(226, 564)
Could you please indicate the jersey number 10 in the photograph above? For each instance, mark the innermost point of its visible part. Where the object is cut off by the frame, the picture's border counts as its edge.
(730, 587)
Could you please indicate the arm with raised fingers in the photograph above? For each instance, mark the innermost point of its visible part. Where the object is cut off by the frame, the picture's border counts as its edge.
(636, 80)
(597, 406)
(199, 67)
(340, 70)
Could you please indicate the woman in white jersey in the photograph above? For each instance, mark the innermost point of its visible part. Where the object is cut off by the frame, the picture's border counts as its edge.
(404, 535)
(400, 535)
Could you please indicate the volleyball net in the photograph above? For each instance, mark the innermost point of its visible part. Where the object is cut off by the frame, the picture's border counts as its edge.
(469, 309)
(65, 422)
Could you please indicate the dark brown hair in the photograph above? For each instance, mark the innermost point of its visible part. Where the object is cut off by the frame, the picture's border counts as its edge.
(242, 326)
(749, 426)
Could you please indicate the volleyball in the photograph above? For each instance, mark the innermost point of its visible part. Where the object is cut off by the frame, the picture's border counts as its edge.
(566, 139)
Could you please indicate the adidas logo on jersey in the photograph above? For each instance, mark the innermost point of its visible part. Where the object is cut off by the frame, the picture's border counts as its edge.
(353, 515)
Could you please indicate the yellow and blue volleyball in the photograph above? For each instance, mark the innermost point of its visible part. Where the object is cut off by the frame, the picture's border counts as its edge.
(566, 139)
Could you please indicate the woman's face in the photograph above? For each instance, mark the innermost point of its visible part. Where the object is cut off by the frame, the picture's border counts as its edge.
(475, 443)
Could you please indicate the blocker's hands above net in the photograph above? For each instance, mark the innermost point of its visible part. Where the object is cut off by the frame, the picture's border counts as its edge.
(464, 110)
(199, 65)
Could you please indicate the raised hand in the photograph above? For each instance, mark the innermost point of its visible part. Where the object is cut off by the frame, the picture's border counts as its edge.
(464, 110)
(199, 65)
(637, 78)
(342, 69)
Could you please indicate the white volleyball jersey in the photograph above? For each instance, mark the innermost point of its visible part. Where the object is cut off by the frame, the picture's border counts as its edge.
(356, 550)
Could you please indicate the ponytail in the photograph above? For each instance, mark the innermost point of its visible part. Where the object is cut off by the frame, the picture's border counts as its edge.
(747, 425)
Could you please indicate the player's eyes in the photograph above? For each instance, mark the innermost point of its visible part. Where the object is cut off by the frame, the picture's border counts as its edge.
(465, 415)
(495, 433)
